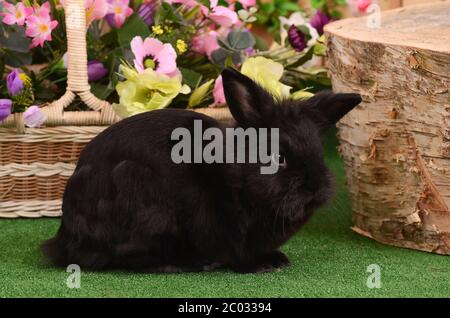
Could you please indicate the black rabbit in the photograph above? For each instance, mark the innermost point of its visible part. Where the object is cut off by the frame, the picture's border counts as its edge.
(128, 205)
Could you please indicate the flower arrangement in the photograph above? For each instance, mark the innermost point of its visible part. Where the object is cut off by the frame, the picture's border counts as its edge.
(151, 54)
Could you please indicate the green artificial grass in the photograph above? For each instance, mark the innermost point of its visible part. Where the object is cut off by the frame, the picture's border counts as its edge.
(328, 260)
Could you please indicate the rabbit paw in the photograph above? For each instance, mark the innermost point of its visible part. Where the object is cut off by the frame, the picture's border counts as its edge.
(267, 263)
(253, 268)
(277, 259)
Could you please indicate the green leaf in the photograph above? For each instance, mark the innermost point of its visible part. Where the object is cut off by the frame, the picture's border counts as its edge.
(134, 26)
(110, 38)
(2, 65)
(167, 12)
(100, 90)
(225, 58)
(261, 44)
(206, 3)
(43, 93)
(240, 40)
(191, 14)
(223, 43)
(289, 6)
(13, 38)
(301, 95)
(17, 59)
(320, 49)
(317, 4)
(315, 70)
(336, 14)
(190, 77)
(303, 59)
(229, 61)
(219, 56)
(305, 30)
(268, 7)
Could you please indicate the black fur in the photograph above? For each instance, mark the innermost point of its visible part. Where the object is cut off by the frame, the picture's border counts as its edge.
(129, 206)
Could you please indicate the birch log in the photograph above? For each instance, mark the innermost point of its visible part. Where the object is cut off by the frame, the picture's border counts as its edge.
(396, 144)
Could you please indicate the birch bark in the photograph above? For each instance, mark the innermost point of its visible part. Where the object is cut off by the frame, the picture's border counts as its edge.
(396, 144)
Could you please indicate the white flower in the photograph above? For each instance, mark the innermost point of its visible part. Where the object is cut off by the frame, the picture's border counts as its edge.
(34, 117)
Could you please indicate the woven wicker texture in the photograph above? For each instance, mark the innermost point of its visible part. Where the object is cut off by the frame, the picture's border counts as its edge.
(35, 163)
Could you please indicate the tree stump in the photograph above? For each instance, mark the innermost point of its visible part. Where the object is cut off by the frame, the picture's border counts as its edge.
(396, 144)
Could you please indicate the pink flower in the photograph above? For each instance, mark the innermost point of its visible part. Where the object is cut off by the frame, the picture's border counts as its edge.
(363, 5)
(223, 16)
(358, 7)
(34, 117)
(120, 10)
(206, 43)
(42, 10)
(39, 27)
(153, 54)
(218, 94)
(15, 13)
(245, 3)
(96, 10)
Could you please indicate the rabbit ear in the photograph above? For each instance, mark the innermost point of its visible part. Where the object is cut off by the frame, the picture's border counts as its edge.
(332, 107)
(248, 102)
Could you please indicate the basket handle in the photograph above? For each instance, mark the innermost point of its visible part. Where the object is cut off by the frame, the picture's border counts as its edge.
(77, 76)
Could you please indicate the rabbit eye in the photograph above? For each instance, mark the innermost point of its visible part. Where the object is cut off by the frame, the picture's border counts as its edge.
(279, 159)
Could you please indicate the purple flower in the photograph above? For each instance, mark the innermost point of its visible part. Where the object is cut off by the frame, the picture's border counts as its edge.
(110, 20)
(147, 11)
(319, 20)
(14, 83)
(34, 117)
(96, 70)
(297, 38)
(5, 108)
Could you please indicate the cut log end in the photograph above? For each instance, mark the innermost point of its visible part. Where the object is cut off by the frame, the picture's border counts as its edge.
(424, 26)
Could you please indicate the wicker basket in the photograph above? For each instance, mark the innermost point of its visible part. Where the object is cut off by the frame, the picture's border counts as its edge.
(35, 163)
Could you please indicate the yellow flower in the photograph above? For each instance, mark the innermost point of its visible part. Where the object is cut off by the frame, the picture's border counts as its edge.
(157, 29)
(25, 79)
(266, 73)
(200, 93)
(141, 92)
(181, 46)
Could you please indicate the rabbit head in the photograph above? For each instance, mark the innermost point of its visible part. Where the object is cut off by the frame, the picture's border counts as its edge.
(302, 182)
